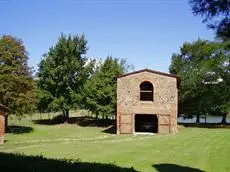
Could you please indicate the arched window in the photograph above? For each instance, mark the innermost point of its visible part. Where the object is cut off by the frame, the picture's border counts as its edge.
(146, 91)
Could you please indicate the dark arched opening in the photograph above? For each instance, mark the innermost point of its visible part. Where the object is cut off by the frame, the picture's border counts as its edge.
(146, 91)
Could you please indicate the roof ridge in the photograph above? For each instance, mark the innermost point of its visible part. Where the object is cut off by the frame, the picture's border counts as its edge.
(150, 70)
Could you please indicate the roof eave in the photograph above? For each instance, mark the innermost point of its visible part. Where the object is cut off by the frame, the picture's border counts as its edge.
(151, 71)
(4, 108)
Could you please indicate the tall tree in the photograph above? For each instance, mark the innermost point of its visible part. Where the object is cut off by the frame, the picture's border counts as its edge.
(100, 90)
(216, 13)
(204, 70)
(17, 87)
(63, 72)
(44, 100)
(224, 88)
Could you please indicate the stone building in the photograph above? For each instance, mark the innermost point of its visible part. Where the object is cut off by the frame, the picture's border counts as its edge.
(147, 101)
(3, 113)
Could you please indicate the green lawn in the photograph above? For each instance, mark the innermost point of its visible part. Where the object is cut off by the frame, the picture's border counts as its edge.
(191, 149)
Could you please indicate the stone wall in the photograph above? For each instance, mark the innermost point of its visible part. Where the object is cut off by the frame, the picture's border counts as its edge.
(164, 104)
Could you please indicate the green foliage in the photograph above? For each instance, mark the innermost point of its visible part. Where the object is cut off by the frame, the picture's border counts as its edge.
(62, 74)
(216, 13)
(17, 87)
(204, 70)
(44, 99)
(100, 90)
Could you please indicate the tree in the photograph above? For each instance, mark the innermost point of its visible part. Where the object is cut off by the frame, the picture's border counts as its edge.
(204, 70)
(44, 99)
(216, 13)
(17, 87)
(224, 87)
(63, 72)
(100, 90)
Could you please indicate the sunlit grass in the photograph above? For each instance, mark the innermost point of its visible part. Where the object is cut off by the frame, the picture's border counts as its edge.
(198, 148)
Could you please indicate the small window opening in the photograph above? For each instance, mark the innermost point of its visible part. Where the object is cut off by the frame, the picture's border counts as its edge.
(146, 91)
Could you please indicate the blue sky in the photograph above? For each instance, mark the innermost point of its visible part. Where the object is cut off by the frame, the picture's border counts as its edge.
(146, 32)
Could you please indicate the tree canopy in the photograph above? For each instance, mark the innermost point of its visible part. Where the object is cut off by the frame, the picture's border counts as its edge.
(204, 70)
(100, 90)
(17, 87)
(216, 14)
(63, 72)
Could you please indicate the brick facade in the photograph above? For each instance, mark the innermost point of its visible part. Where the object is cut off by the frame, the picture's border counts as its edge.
(3, 113)
(164, 104)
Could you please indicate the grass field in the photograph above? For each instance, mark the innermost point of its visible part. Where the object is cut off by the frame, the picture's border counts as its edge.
(95, 148)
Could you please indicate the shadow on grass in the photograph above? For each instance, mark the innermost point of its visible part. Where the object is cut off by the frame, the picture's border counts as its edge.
(83, 121)
(110, 130)
(56, 120)
(23, 163)
(18, 129)
(205, 125)
(174, 168)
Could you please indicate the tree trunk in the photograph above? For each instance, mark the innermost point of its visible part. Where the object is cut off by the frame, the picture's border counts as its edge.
(6, 124)
(224, 119)
(66, 115)
(198, 118)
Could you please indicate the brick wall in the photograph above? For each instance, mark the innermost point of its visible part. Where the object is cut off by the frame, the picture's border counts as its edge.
(3, 112)
(164, 104)
(2, 128)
